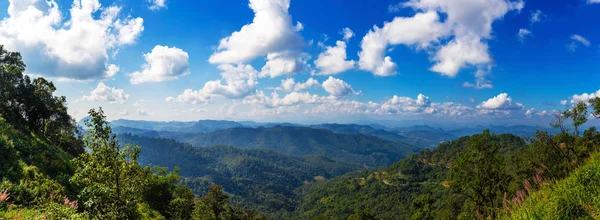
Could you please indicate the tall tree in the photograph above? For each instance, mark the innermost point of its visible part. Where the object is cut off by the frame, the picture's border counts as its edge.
(31, 105)
(479, 174)
(110, 178)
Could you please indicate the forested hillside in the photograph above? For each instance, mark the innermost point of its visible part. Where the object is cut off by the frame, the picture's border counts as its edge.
(485, 175)
(259, 177)
(45, 172)
(360, 149)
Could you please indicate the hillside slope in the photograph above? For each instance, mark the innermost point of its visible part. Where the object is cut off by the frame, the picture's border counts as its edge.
(301, 141)
(260, 177)
(359, 149)
(401, 191)
(575, 197)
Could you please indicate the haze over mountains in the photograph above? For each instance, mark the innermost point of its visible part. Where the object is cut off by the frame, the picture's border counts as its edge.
(423, 136)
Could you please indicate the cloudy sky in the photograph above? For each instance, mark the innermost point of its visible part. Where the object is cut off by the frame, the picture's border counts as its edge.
(477, 61)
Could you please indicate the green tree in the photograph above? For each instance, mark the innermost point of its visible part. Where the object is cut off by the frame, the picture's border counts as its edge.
(110, 178)
(595, 103)
(213, 204)
(579, 116)
(479, 174)
(182, 204)
(31, 105)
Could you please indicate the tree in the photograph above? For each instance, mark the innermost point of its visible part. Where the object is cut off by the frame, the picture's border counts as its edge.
(595, 103)
(31, 105)
(479, 174)
(110, 178)
(578, 114)
(212, 205)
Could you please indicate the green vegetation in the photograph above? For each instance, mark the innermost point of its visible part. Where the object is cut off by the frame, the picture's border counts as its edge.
(575, 197)
(259, 177)
(48, 170)
(302, 141)
(46, 173)
(482, 176)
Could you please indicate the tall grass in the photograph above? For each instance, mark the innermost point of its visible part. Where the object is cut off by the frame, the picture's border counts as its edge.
(575, 197)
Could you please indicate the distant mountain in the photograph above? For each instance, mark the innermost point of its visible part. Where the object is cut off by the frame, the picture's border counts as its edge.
(419, 136)
(301, 141)
(260, 177)
(254, 124)
(520, 130)
(417, 128)
(175, 126)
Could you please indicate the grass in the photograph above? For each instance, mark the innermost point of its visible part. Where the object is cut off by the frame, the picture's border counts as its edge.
(575, 197)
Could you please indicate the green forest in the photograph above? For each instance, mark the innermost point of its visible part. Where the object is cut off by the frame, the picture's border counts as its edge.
(52, 169)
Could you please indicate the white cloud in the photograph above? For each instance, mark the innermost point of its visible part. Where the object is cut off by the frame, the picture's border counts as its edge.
(398, 105)
(420, 31)
(111, 70)
(157, 4)
(459, 53)
(333, 60)
(563, 102)
(104, 93)
(284, 63)
(537, 16)
(480, 80)
(290, 84)
(271, 31)
(291, 99)
(162, 64)
(585, 97)
(73, 49)
(500, 102)
(577, 40)
(523, 33)
(347, 33)
(240, 81)
(469, 22)
(593, 1)
(338, 88)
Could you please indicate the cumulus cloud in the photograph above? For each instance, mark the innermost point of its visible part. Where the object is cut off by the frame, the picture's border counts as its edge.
(162, 64)
(333, 60)
(291, 85)
(398, 104)
(499, 107)
(420, 31)
(468, 24)
(577, 40)
(112, 70)
(347, 33)
(274, 100)
(500, 102)
(593, 1)
(105, 93)
(563, 102)
(156, 5)
(585, 97)
(271, 31)
(284, 63)
(239, 81)
(523, 33)
(74, 47)
(338, 88)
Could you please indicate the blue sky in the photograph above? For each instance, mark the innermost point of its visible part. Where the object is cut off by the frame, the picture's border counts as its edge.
(483, 61)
